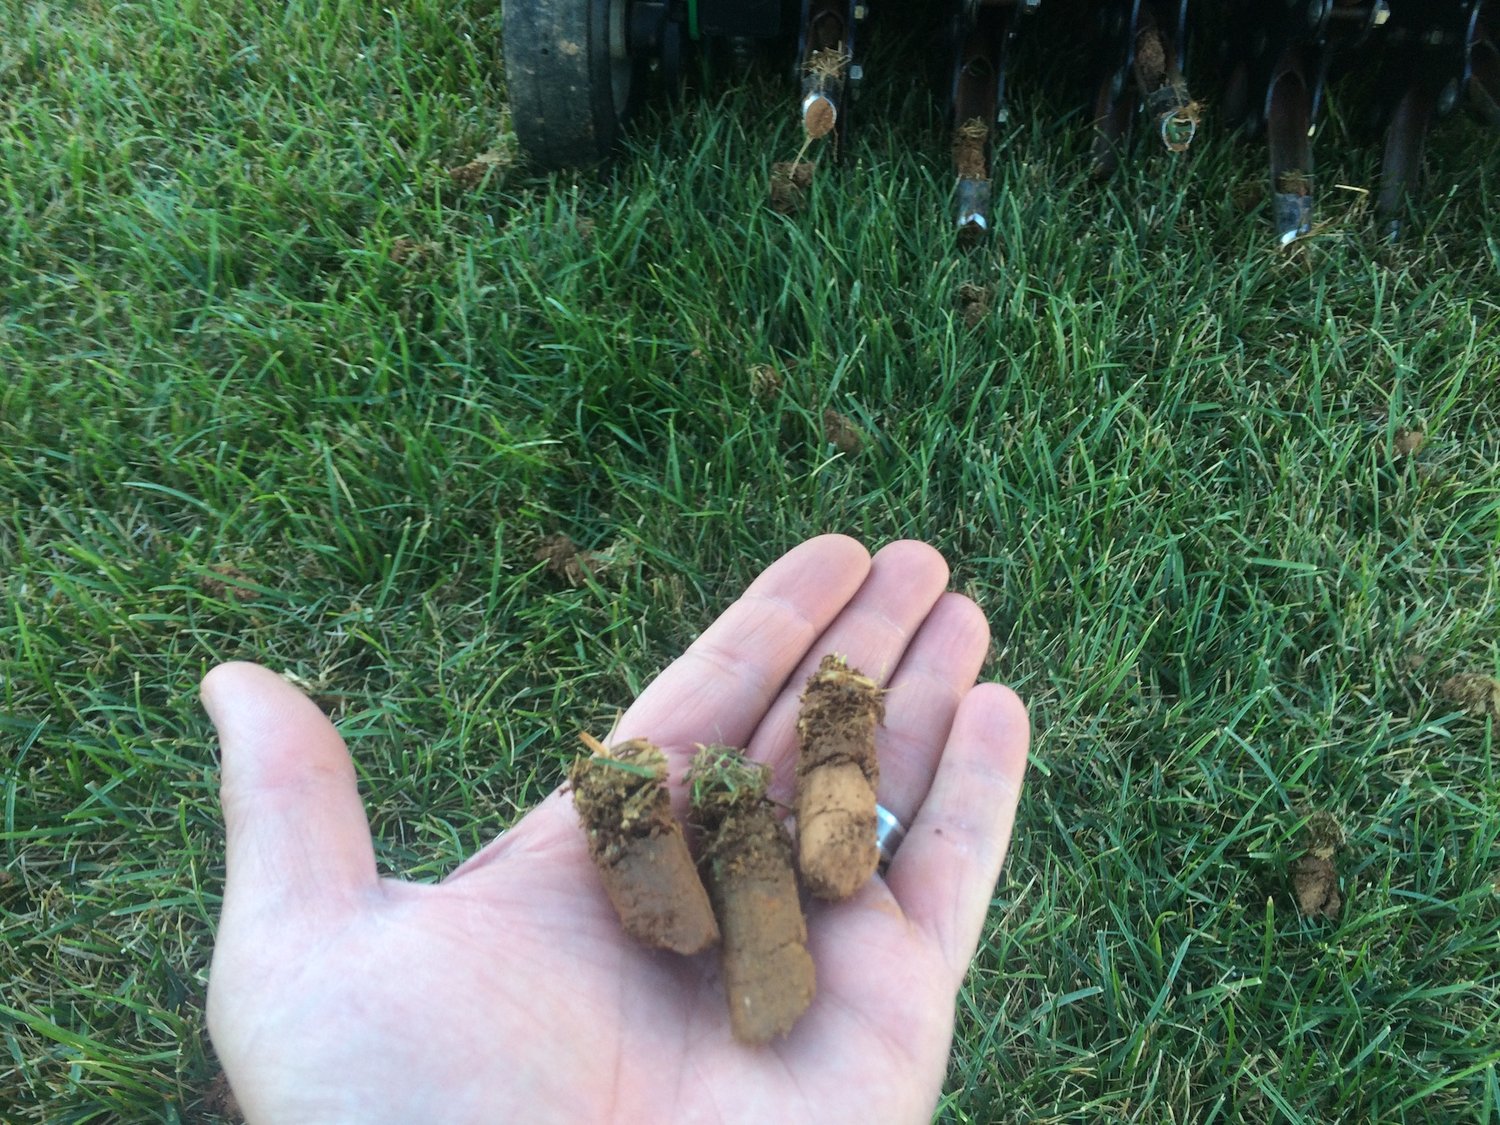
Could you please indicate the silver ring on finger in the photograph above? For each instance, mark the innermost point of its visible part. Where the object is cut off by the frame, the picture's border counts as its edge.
(889, 832)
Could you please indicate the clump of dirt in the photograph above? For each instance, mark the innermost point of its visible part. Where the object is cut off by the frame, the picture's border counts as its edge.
(969, 141)
(1247, 195)
(840, 431)
(411, 252)
(1315, 880)
(1408, 443)
(765, 381)
(747, 863)
(1316, 883)
(469, 176)
(564, 560)
(973, 303)
(837, 775)
(638, 847)
(223, 580)
(791, 181)
(1325, 835)
(1475, 692)
(219, 1099)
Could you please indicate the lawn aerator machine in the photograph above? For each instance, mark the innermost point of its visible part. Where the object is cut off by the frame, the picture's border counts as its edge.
(574, 70)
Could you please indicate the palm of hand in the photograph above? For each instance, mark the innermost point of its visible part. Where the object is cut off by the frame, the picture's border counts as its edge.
(509, 991)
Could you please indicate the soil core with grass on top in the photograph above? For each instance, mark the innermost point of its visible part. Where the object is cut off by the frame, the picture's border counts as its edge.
(837, 775)
(747, 863)
(639, 850)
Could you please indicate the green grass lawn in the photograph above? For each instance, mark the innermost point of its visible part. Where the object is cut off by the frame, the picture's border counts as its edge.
(277, 386)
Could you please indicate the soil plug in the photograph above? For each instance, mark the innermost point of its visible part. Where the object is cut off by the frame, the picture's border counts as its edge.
(638, 847)
(1315, 880)
(1475, 692)
(747, 862)
(836, 779)
(791, 181)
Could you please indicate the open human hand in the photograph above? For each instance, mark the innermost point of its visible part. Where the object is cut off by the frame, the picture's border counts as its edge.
(508, 990)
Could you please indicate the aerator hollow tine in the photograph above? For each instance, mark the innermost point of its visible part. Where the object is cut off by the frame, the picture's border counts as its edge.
(575, 70)
(1484, 66)
(1142, 48)
(982, 34)
(1428, 55)
(1278, 57)
(826, 65)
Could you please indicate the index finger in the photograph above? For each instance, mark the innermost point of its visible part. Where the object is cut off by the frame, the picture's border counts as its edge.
(719, 689)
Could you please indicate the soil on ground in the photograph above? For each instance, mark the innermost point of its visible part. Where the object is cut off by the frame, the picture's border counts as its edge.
(791, 181)
(1316, 883)
(1409, 442)
(219, 1099)
(974, 303)
(565, 560)
(840, 431)
(225, 580)
(1315, 879)
(1475, 692)
(638, 848)
(469, 176)
(765, 381)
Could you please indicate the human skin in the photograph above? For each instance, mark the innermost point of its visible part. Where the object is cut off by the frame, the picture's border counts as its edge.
(507, 991)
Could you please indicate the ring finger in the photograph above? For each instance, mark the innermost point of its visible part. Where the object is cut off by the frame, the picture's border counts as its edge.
(938, 669)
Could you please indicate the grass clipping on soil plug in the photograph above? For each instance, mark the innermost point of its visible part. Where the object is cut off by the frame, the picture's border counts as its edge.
(638, 847)
(836, 779)
(747, 862)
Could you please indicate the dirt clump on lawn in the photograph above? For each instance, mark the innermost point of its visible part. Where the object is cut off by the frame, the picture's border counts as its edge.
(766, 381)
(974, 303)
(840, 431)
(225, 580)
(219, 1099)
(564, 559)
(791, 181)
(1475, 692)
(638, 847)
(1408, 443)
(747, 863)
(467, 177)
(1315, 879)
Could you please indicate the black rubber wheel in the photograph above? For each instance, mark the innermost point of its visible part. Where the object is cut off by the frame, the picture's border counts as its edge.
(569, 76)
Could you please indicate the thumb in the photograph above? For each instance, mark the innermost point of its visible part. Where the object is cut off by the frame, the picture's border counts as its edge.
(293, 820)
